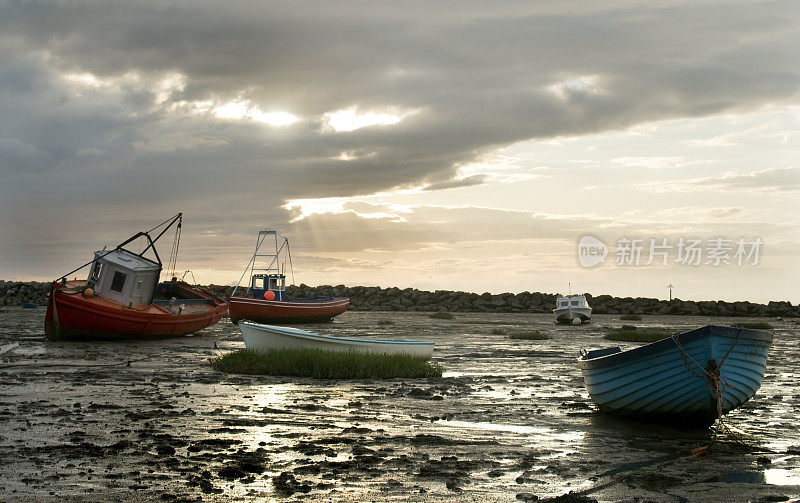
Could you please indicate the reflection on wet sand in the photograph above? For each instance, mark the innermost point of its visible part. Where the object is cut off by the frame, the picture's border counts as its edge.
(508, 418)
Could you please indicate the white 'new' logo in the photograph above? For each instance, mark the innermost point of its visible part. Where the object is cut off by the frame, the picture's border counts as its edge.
(591, 251)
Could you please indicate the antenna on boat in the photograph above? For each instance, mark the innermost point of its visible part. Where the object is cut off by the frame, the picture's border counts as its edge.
(570, 287)
(272, 260)
(152, 242)
(173, 255)
(289, 253)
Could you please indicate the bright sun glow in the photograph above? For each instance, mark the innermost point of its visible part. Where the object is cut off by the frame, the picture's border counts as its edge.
(584, 84)
(162, 86)
(351, 119)
(169, 85)
(359, 205)
(243, 109)
(82, 79)
(352, 155)
(500, 168)
(307, 207)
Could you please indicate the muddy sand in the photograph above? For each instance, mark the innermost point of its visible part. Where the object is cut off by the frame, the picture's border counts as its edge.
(510, 420)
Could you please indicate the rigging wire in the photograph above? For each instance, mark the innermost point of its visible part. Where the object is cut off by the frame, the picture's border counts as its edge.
(289, 253)
(164, 222)
(173, 255)
(189, 271)
(136, 236)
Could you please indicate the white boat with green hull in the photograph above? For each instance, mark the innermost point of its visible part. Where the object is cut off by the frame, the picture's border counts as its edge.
(572, 309)
(265, 338)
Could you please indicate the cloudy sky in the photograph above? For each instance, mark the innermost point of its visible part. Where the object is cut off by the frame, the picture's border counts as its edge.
(437, 145)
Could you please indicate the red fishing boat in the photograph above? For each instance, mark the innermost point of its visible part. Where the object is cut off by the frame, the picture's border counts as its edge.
(264, 299)
(122, 298)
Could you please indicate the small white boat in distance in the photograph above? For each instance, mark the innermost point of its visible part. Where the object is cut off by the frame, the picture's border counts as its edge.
(265, 338)
(572, 309)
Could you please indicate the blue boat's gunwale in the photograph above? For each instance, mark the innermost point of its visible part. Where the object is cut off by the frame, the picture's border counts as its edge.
(739, 362)
(310, 335)
(667, 344)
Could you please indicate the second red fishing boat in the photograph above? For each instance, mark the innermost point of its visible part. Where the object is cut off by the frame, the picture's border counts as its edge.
(264, 300)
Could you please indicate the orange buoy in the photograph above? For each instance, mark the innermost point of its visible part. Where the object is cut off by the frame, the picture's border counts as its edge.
(88, 293)
(269, 295)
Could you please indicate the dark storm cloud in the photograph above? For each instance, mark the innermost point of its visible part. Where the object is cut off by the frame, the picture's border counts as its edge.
(477, 78)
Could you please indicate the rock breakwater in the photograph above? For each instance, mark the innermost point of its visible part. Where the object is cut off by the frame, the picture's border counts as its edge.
(375, 298)
(13, 293)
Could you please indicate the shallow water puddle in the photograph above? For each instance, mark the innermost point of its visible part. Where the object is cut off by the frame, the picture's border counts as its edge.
(782, 477)
(513, 428)
(539, 432)
(771, 476)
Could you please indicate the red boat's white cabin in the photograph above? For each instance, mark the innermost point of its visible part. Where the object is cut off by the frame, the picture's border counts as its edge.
(124, 277)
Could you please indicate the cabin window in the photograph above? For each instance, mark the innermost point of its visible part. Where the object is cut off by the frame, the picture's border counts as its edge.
(96, 270)
(258, 283)
(574, 302)
(118, 282)
(275, 283)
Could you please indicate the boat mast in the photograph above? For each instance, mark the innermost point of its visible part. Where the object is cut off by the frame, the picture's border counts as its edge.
(151, 244)
(177, 218)
(281, 243)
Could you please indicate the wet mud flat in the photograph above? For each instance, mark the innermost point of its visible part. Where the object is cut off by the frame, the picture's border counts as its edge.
(510, 420)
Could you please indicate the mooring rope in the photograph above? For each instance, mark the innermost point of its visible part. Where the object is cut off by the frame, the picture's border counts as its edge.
(684, 355)
(735, 341)
(715, 382)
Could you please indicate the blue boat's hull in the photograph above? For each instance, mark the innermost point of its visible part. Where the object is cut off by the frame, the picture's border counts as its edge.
(688, 380)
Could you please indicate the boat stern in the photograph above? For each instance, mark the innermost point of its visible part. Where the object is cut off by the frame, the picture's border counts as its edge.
(52, 329)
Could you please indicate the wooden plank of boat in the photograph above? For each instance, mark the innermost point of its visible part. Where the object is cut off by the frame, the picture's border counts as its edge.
(286, 311)
(689, 379)
(71, 315)
(265, 338)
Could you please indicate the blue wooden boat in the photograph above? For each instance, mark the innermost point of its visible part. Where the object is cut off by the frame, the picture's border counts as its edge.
(689, 379)
(29, 305)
